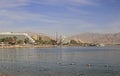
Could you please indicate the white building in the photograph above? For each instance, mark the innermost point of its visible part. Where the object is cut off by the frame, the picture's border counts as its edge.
(20, 36)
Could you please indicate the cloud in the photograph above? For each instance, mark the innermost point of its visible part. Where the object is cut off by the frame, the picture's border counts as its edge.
(17, 3)
(26, 21)
(86, 2)
(78, 11)
(111, 27)
(62, 2)
(24, 16)
(12, 3)
(22, 20)
(72, 20)
(4, 22)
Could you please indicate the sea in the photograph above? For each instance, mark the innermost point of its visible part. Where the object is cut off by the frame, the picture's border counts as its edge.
(60, 61)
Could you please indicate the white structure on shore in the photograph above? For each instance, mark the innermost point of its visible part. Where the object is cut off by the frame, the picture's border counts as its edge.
(20, 36)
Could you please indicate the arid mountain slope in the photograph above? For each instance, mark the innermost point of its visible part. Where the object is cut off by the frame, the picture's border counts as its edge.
(98, 38)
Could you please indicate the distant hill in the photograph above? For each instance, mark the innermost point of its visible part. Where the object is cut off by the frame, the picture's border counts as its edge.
(97, 38)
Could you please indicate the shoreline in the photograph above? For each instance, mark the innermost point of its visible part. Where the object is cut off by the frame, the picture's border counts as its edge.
(45, 46)
(38, 46)
(27, 46)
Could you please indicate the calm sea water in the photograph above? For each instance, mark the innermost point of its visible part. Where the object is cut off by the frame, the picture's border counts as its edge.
(71, 61)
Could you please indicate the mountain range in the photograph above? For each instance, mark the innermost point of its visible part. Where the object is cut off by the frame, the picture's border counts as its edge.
(108, 38)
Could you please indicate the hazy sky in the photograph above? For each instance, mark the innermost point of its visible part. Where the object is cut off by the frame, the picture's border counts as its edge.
(63, 16)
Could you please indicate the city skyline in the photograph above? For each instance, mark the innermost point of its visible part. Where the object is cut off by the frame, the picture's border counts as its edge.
(66, 17)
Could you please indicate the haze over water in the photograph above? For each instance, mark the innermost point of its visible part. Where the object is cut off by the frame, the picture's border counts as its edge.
(70, 61)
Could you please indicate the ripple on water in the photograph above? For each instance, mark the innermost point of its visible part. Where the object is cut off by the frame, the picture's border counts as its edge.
(60, 62)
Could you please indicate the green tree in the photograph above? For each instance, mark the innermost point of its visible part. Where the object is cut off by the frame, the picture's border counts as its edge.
(73, 42)
(26, 40)
(53, 42)
(15, 39)
(20, 42)
(6, 40)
